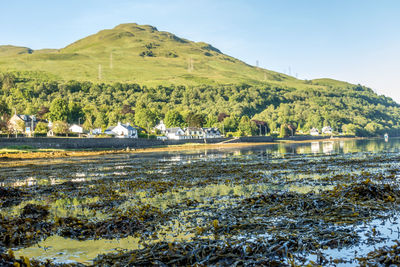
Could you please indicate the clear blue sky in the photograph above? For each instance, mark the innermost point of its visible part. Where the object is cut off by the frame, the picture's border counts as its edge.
(352, 40)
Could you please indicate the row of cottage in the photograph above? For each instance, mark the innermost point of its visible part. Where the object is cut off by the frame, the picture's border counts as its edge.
(131, 131)
(176, 133)
(121, 130)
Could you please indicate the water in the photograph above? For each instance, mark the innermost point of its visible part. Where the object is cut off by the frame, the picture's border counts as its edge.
(196, 187)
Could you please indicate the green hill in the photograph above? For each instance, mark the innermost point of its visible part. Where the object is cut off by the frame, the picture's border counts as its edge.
(141, 54)
(135, 73)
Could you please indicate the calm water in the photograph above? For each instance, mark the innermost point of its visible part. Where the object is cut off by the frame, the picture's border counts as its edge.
(301, 167)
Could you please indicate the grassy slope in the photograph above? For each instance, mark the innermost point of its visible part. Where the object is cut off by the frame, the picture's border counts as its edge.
(81, 60)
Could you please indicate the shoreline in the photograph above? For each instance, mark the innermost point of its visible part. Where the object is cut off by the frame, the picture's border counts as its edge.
(9, 156)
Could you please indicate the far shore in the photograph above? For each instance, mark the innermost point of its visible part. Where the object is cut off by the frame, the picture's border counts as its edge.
(59, 153)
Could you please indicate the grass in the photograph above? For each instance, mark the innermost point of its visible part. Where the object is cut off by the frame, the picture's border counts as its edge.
(25, 149)
(117, 51)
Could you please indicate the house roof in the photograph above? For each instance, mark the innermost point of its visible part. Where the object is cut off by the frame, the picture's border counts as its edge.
(110, 128)
(193, 129)
(173, 130)
(126, 126)
(212, 130)
(26, 118)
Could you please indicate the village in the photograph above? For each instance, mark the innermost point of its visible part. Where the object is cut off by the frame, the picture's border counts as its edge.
(31, 126)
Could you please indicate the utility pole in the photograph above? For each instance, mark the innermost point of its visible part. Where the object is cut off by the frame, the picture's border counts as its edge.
(99, 72)
(190, 64)
(32, 133)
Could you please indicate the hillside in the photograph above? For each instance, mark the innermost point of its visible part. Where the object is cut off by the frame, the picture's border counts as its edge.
(140, 54)
(135, 73)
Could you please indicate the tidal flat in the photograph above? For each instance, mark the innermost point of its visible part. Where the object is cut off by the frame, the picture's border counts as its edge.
(331, 203)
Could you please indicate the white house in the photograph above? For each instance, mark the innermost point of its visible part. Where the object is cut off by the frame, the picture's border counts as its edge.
(75, 128)
(314, 131)
(194, 133)
(122, 131)
(212, 133)
(161, 127)
(175, 133)
(326, 130)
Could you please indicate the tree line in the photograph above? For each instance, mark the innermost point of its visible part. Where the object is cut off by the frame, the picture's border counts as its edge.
(353, 109)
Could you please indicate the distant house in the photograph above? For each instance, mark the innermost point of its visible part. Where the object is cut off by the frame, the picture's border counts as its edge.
(23, 123)
(212, 133)
(122, 131)
(314, 131)
(194, 133)
(75, 128)
(161, 127)
(175, 133)
(326, 130)
(96, 131)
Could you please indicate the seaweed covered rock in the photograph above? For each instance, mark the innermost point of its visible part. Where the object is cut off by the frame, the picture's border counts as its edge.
(10, 196)
(385, 256)
(16, 231)
(9, 260)
(197, 253)
(36, 212)
(366, 191)
(81, 229)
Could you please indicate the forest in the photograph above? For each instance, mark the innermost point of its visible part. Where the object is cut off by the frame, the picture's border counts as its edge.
(351, 109)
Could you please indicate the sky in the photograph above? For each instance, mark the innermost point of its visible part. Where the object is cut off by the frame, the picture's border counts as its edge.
(357, 41)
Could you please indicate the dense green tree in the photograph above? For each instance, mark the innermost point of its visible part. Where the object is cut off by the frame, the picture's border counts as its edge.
(7, 81)
(4, 123)
(194, 119)
(230, 124)
(43, 111)
(4, 110)
(41, 128)
(145, 118)
(76, 113)
(173, 119)
(211, 120)
(247, 127)
(59, 110)
(284, 131)
(60, 127)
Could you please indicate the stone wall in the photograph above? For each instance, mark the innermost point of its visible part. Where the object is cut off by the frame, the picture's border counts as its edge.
(96, 143)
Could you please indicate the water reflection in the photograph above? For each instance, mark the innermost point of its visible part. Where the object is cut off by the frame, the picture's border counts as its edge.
(66, 250)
